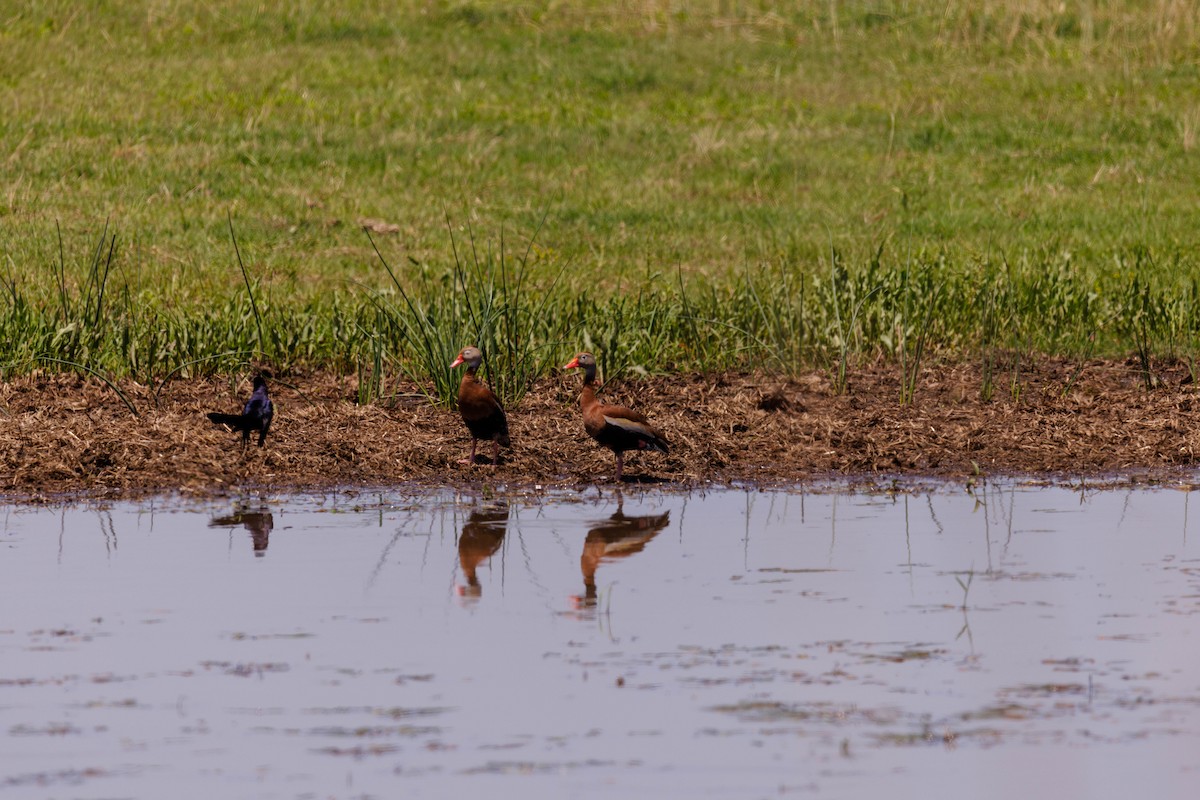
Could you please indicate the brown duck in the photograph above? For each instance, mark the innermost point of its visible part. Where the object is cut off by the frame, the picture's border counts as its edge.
(618, 537)
(616, 427)
(480, 539)
(481, 411)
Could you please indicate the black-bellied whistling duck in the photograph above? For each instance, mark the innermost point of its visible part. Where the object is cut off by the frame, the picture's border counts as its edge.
(480, 409)
(617, 537)
(255, 416)
(481, 537)
(615, 427)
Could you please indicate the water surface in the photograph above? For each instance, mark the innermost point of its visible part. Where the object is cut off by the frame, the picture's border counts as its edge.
(1014, 641)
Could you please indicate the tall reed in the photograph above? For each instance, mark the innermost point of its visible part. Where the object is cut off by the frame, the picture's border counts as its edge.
(488, 301)
(528, 310)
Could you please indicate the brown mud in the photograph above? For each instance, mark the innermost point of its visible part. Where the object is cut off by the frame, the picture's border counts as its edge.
(65, 435)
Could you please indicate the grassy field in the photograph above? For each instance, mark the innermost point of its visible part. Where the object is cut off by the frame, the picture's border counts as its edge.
(677, 185)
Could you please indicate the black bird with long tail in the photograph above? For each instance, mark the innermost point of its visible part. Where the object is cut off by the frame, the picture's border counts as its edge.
(256, 416)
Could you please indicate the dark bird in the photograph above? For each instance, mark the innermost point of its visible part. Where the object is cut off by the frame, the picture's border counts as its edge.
(480, 409)
(256, 416)
(616, 427)
(259, 523)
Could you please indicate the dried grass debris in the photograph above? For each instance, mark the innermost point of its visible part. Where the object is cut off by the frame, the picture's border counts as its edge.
(63, 433)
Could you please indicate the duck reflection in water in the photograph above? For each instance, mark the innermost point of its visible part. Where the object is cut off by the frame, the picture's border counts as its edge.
(259, 522)
(481, 537)
(619, 536)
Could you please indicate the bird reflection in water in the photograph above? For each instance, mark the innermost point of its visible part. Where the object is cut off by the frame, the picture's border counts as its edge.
(259, 522)
(481, 537)
(619, 536)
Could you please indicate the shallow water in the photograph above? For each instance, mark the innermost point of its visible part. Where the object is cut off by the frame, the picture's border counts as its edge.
(1017, 641)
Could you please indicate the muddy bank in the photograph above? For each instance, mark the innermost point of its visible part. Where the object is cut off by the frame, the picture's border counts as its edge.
(70, 434)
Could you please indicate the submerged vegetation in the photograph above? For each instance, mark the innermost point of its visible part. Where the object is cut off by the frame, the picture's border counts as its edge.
(367, 186)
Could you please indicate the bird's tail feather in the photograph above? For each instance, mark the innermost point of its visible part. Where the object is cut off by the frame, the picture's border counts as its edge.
(235, 421)
(657, 443)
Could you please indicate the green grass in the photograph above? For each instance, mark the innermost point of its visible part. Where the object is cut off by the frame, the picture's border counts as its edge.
(669, 182)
